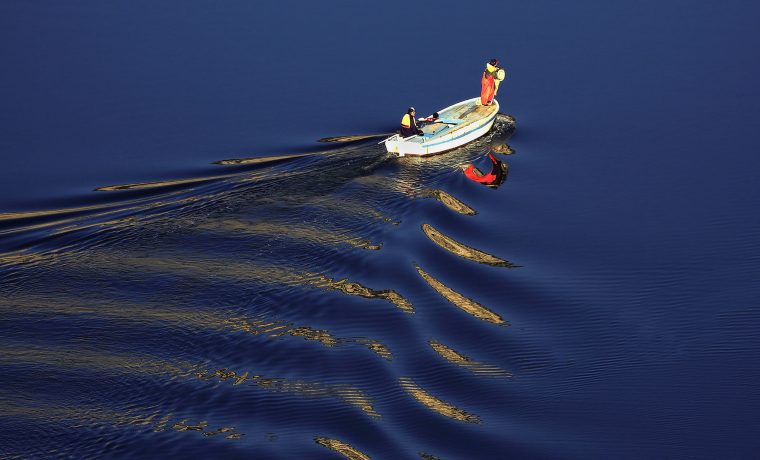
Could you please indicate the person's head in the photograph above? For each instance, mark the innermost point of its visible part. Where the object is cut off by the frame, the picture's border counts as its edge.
(494, 62)
(410, 111)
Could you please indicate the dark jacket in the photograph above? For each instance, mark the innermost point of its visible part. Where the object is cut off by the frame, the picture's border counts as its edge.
(409, 126)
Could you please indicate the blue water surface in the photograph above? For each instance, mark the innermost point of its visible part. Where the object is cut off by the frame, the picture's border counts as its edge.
(212, 318)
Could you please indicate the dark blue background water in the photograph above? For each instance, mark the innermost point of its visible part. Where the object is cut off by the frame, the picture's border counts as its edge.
(630, 207)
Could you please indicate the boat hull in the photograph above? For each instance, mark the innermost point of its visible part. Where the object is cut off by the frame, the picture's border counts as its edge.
(444, 138)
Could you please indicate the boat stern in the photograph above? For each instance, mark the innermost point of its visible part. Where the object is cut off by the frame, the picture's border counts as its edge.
(402, 147)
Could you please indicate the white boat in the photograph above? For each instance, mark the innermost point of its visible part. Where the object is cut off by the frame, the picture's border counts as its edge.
(458, 124)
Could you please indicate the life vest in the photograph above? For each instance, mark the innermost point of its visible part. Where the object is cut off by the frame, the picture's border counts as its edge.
(497, 73)
(408, 126)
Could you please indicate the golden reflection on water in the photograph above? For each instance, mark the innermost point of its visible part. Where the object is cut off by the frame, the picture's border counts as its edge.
(462, 360)
(288, 229)
(257, 160)
(503, 149)
(122, 222)
(346, 393)
(278, 329)
(65, 220)
(342, 448)
(353, 137)
(342, 205)
(156, 214)
(427, 456)
(227, 431)
(214, 269)
(113, 309)
(435, 404)
(357, 289)
(409, 189)
(137, 207)
(468, 305)
(461, 250)
(83, 416)
(165, 183)
(23, 258)
(450, 202)
(385, 184)
(201, 319)
(82, 358)
(53, 212)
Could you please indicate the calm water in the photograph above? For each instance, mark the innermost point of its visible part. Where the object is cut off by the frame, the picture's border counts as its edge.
(335, 302)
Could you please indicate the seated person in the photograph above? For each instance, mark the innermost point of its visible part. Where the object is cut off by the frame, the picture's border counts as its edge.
(409, 124)
(429, 120)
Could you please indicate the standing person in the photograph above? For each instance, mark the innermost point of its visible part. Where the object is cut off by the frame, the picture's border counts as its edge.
(489, 82)
(409, 124)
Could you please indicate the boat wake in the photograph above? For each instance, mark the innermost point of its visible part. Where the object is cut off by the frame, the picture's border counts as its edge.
(284, 306)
